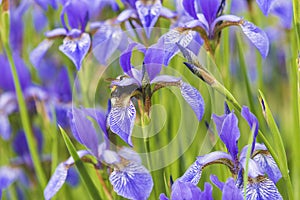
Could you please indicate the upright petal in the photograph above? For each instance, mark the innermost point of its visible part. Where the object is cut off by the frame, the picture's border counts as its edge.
(125, 59)
(193, 98)
(230, 133)
(263, 189)
(148, 13)
(252, 121)
(189, 6)
(132, 182)
(121, 121)
(83, 129)
(38, 53)
(153, 60)
(210, 9)
(76, 46)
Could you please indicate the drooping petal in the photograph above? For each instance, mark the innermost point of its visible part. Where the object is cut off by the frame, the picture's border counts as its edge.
(193, 173)
(210, 9)
(252, 121)
(8, 175)
(263, 189)
(121, 121)
(132, 182)
(83, 129)
(230, 133)
(56, 182)
(189, 6)
(60, 175)
(76, 47)
(257, 36)
(267, 163)
(193, 98)
(148, 14)
(185, 190)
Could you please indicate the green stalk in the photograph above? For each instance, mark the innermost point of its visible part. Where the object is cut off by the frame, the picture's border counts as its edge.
(279, 146)
(21, 101)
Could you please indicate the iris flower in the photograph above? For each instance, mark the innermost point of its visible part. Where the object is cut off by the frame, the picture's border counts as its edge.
(130, 179)
(209, 24)
(261, 163)
(145, 12)
(137, 83)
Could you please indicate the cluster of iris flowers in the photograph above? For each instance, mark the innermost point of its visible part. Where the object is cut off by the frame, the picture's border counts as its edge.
(37, 90)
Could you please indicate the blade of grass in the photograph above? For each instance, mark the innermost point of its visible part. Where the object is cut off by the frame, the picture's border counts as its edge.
(282, 164)
(91, 188)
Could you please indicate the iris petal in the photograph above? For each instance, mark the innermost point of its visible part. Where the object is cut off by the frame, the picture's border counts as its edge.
(8, 175)
(185, 190)
(60, 175)
(262, 189)
(229, 133)
(189, 6)
(121, 121)
(148, 14)
(193, 98)
(132, 182)
(80, 126)
(76, 48)
(5, 129)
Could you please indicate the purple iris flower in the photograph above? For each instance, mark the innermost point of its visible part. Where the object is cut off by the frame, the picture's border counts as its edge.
(146, 12)
(137, 83)
(130, 179)
(260, 163)
(76, 41)
(210, 22)
(20, 165)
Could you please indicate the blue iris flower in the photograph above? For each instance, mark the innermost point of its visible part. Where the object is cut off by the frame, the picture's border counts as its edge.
(130, 179)
(263, 172)
(145, 12)
(137, 84)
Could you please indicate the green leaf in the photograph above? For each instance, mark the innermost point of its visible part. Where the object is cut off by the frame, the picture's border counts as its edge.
(280, 150)
(90, 186)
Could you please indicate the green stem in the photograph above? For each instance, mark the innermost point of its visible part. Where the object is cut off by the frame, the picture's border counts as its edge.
(22, 106)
